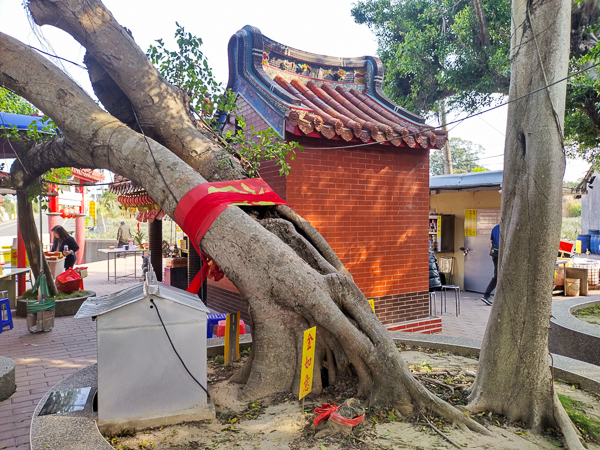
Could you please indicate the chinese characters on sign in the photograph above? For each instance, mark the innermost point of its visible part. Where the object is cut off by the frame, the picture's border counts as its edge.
(439, 226)
(308, 357)
(470, 222)
(92, 213)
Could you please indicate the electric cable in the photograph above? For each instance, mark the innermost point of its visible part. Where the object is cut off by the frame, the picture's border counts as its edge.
(57, 57)
(152, 154)
(174, 349)
(545, 87)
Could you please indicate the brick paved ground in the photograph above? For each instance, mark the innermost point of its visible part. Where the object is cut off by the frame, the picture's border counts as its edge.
(44, 359)
(473, 318)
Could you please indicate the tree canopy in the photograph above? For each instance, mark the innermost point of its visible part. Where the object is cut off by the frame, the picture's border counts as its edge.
(445, 50)
(434, 50)
(465, 157)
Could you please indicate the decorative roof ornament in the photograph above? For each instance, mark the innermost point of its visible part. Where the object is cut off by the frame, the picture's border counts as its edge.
(308, 94)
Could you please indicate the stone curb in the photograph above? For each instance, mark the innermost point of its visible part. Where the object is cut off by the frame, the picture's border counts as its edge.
(572, 337)
(7, 378)
(570, 370)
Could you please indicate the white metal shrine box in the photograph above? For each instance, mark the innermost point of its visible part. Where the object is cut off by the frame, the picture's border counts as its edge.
(141, 381)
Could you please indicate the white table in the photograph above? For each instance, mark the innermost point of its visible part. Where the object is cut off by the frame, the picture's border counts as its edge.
(8, 282)
(118, 251)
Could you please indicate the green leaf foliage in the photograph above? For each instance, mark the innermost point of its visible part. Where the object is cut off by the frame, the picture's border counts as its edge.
(264, 145)
(435, 49)
(188, 69)
(465, 157)
(432, 50)
(12, 103)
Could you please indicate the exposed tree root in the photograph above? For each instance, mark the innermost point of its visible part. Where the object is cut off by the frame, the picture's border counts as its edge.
(314, 237)
(570, 433)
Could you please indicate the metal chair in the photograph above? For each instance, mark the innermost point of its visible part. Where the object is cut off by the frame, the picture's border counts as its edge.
(432, 305)
(444, 297)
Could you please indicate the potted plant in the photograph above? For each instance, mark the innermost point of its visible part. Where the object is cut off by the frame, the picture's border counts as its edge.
(138, 237)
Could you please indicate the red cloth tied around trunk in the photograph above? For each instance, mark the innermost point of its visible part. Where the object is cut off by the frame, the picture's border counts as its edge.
(199, 208)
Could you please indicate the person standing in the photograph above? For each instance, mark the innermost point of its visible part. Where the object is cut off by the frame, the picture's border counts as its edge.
(65, 243)
(123, 234)
(494, 252)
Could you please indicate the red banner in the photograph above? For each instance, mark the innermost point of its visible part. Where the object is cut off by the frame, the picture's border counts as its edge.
(199, 208)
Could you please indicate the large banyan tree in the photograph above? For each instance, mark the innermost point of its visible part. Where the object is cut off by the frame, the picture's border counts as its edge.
(289, 275)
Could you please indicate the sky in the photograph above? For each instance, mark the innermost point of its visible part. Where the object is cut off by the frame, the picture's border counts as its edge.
(318, 26)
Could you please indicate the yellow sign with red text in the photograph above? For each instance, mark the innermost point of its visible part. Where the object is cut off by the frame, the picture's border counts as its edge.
(372, 303)
(308, 361)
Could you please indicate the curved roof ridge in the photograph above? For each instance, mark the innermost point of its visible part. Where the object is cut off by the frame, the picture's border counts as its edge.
(338, 97)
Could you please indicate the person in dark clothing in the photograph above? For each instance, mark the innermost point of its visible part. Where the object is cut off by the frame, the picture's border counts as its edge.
(435, 281)
(63, 239)
(495, 238)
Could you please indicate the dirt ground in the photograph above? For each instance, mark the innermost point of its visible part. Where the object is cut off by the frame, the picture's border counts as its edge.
(280, 423)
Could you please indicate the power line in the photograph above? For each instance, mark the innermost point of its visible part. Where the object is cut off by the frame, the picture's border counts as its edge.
(459, 121)
(58, 57)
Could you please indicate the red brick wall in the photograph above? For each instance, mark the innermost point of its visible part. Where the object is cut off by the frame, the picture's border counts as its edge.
(270, 173)
(371, 205)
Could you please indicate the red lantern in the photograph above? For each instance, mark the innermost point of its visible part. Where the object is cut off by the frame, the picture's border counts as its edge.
(63, 213)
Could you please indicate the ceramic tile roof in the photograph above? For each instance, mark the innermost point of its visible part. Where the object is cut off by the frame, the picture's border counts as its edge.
(124, 185)
(87, 174)
(321, 96)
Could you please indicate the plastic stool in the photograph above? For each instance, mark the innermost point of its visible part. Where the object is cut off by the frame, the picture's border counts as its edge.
(211, 321)
(221, 329)
(8, 321)
(456, 289)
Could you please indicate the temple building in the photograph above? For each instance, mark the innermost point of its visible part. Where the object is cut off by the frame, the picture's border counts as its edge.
(362, 178)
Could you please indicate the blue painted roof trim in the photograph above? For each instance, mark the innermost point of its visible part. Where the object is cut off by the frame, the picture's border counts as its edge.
(22, 122)
(489, 178)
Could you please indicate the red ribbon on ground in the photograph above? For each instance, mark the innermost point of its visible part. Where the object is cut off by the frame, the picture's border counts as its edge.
(199, 208)
(324, 412)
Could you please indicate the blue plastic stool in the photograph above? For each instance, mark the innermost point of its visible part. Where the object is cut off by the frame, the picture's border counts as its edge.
(211, 321)
(8, 321)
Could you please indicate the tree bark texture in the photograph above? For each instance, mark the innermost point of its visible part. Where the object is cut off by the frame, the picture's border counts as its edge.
(484, 34)
(514, 376)
(289, 287)
(31, 238)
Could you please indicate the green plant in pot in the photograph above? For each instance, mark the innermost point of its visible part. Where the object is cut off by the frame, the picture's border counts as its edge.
(138, 237)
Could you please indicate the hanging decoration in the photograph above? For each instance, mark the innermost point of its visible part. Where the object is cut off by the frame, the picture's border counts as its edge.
(69, 213)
